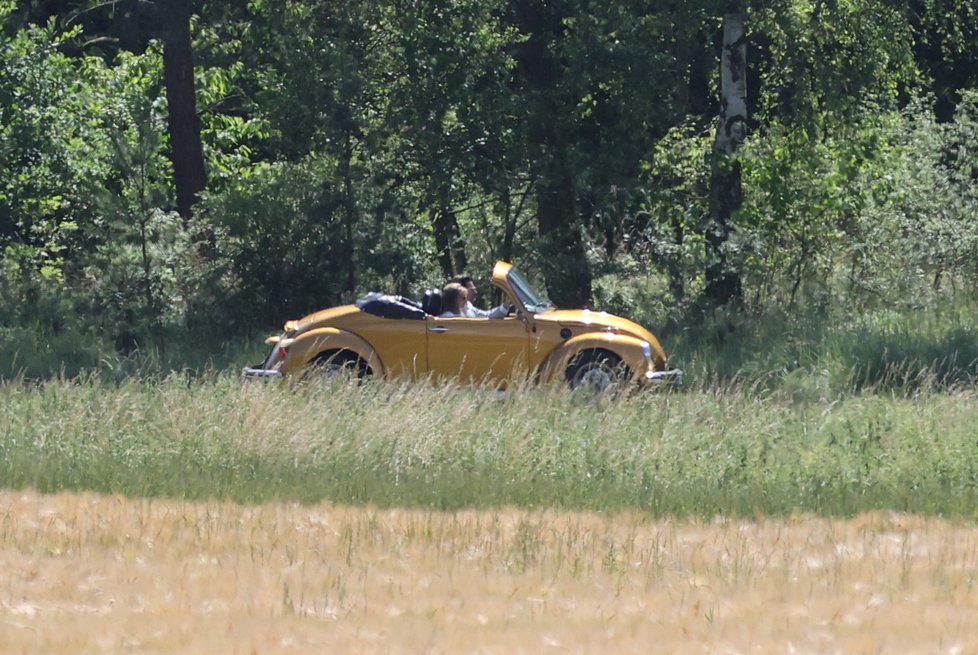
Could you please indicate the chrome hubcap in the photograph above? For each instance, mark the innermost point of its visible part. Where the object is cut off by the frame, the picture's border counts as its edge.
(596, 378)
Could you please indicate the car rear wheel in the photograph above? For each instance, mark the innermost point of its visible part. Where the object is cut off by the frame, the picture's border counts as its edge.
(597, 372)
(342, 365)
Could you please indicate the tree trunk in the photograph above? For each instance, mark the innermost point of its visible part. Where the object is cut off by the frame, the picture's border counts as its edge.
(186, 151)
(126, 26)
(723, 285)
(351, 216)
(562, 252)
(564, 262)
(448, 242)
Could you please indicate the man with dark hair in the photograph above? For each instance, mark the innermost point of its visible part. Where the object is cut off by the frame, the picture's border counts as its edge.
(470, 310)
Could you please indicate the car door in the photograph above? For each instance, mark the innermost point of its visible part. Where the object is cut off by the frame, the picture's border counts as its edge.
(478, 349)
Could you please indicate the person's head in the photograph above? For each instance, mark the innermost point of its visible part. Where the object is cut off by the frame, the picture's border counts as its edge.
(468, 283)
(453, 298)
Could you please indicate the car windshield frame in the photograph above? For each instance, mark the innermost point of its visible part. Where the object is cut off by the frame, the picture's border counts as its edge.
(531, 300)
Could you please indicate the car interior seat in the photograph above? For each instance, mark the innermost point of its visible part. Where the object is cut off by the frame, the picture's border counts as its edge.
(431, 303)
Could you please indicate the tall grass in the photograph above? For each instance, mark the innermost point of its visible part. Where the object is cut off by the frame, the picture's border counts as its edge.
(823, 357)
(35, 352)
(780, 414)
(731, 450)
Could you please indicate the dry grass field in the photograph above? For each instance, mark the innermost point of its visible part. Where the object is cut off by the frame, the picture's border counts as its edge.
(106, 574)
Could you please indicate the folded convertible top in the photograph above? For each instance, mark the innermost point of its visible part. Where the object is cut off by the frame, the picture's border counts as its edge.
(386, 306)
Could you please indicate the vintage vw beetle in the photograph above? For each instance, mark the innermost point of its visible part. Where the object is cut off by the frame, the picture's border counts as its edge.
(391, 336)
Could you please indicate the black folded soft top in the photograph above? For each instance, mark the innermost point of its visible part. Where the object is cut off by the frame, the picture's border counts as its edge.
(386, 306)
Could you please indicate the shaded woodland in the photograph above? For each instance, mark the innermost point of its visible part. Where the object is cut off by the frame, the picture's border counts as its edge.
(168, 168)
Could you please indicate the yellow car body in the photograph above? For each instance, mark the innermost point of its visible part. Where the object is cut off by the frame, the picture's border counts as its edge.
(535, 342)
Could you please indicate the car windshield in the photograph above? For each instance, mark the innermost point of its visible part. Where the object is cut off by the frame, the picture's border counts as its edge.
(532, 300)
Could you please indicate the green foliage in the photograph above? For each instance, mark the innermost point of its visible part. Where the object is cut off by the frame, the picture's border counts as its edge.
(667, 228)
(290, 248)
(45, 153)
(927, 198)
(40, 331)
(330, 150)
(881, 212)
(801, 196)
(822, 60)
(945, 43)
(87, 212)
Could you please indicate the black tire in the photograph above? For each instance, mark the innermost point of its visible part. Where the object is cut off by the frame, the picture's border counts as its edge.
(341, 365)
(597, 372)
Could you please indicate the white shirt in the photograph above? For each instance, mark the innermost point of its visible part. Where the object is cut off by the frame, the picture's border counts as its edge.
(471, 311)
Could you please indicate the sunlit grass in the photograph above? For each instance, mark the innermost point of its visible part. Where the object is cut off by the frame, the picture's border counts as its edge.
(732, 450)
(89, 573)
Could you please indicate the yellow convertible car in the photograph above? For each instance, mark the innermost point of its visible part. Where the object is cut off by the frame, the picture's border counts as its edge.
(390, 336)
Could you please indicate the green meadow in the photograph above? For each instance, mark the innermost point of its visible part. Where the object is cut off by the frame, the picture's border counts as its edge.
(707, 451)
(776, 417)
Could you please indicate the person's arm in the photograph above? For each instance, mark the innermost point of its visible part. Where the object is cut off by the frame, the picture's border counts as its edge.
(499, 312)
(471, 311)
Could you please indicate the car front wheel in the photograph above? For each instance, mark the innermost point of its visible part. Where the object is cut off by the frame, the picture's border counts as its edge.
(597, 372)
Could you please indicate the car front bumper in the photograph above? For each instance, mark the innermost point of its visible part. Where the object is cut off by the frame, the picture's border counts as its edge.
(672, 377)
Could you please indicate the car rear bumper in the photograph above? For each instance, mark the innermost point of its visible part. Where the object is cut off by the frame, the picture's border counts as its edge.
(261, 373)
(672, 377)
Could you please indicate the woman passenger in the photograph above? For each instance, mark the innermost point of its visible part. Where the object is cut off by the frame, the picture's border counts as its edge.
(453, 299)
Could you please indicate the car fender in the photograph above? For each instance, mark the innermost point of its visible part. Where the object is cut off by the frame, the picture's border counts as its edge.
(309, 344)
(630, 349)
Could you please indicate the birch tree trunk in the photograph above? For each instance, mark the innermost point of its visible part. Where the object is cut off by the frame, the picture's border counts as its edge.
(723, 285)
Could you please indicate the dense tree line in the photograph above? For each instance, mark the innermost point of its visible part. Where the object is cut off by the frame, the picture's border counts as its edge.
(167, 164)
